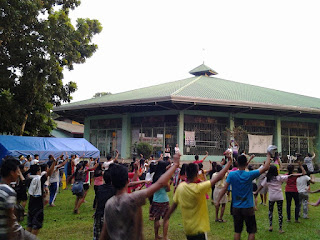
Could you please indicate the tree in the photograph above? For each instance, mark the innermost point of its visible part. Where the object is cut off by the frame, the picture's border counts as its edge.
(37, 43)
(145, 149)
(100, 94)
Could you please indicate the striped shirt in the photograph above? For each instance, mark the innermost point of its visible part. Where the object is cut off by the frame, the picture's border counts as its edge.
(7, 201)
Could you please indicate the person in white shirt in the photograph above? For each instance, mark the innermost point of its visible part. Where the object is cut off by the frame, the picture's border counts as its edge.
(308, 161)
(302, 186)
(54, 180)
(105, 165)
(176, 149)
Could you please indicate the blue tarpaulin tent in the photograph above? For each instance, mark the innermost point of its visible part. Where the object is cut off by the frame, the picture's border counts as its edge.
(44, 146)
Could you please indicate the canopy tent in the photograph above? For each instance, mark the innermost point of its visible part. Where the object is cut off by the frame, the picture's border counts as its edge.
(44, 146)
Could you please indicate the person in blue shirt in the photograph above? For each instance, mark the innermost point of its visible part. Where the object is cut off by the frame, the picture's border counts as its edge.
(242, 196)
(160, 201)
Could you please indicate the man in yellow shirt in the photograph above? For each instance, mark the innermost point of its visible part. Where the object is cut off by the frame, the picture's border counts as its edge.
(191, 197)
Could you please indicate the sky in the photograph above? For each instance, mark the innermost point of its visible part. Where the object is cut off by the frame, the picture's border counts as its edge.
(274, 44)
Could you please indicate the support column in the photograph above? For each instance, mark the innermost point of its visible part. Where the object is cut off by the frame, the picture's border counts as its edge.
(181, 132)
(231, 126)
(126, 136)
(86, 133)
(277, 139)
(317, 150)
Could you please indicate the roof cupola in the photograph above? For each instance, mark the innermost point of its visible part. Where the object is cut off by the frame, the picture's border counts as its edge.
(203, 70)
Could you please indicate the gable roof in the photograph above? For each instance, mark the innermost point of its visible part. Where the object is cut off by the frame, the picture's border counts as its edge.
(69, 127)
(205, 90)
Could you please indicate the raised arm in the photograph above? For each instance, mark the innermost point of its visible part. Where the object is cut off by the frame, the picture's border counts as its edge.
(204, 158)
(93, 168)
(302, 168)
(251, 158)
(221, 174)
(117, 155)
(20, 175)
(62, 164)
(163, 180)
(51, 169)
(266, 166)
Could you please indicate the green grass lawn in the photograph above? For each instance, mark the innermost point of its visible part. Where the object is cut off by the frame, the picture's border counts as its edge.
(61, 223)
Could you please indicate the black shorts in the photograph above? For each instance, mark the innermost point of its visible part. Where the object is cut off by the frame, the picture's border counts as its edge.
(254, 187)
(35, 219)
(86, 186)
(22, 196)
(247, 215)
(200, 236)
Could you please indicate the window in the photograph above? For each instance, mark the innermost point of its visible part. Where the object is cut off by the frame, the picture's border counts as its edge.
(105, 134)
(255, 127)
(210, 134)
(155, 130)
(297, 137)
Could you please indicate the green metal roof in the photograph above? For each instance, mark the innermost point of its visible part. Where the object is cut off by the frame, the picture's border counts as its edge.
(205, 90)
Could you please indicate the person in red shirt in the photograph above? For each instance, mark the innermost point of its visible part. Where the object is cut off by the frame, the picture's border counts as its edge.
(197, 161)
(292, 193)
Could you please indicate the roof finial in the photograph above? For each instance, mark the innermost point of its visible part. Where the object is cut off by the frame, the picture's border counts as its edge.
(203, 54)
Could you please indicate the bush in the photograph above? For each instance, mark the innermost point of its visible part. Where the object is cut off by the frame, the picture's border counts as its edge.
(145, 149)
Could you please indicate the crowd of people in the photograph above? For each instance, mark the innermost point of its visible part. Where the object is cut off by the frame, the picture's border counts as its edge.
(121, 189)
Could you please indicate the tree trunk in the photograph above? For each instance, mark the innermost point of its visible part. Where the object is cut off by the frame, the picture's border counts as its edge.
(24, 124)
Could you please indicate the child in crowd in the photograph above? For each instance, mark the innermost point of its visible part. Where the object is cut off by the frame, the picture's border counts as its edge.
(21, 188)
(123, 212)
(106, 164)
(212, 171)
(196, 158)
(218, 187)
(274, 181)
(234, 146)
(254, 189)
(86, 183)
(308, 161)
(77, 188)
(264, 191)
(149, 178)
(182, 176)
(242, 196)
(54, 180)
(160, 202)
(291, 192)
(98, 181)
(191, 196)
(36, 201)
(103, 193)
(9, 227)
(302, 186)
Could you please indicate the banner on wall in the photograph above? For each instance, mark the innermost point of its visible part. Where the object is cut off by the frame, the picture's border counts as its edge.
(190, 138)
(259, 143)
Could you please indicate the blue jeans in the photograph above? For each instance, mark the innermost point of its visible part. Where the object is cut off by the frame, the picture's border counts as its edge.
(53, 188)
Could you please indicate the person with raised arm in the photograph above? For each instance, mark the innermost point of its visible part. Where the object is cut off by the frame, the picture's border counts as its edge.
(242, 194)
(123, 212)
(191, 197)
(273, 181)
(106, 164)
(54, 180)
(196, 158)
(36, 201)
